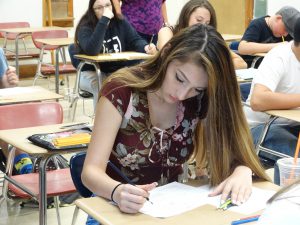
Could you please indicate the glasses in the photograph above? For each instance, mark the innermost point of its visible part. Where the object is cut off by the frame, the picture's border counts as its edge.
(101, 7)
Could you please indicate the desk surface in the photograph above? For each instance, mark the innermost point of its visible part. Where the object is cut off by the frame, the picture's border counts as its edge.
(26, 94)
(291, 114)
(232, 37)
(24, 30)
(109, 214)
(114, 56)
(18, 138)
(56, 41)
(262, 54)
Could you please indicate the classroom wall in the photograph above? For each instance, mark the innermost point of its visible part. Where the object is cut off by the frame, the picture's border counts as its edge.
(274, 5)
(21, 10)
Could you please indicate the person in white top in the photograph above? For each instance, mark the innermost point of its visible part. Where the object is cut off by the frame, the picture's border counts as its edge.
(288, 199)
(276, 85)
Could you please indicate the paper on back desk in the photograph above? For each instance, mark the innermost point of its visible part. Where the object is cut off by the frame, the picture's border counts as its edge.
(16, 90)
(246, 74)
(176, 198)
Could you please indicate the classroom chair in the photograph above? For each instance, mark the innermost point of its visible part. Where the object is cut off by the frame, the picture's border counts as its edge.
(76, 166)
(47, 69)
(10, 53)
(26, 186)
(245, 90)
(78, 93)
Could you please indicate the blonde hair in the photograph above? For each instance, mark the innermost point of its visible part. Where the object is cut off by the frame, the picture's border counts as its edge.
(223, 138)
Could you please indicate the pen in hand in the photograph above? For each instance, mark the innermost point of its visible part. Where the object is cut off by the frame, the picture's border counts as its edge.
(119, 172)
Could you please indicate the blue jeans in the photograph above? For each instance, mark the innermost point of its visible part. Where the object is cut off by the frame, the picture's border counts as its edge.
(3, 65)
(91, 221)
(280, 138)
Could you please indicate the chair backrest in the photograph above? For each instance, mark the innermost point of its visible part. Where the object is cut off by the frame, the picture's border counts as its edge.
(48, 34)
(76, 165)
(245, 90)
(12, 25)
(73, 51)
(30, 114)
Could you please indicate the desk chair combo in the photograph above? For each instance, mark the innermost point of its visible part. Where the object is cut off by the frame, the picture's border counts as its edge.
(76, 166)
(10, 53)
(77, 92)
(46, 69)
(26, 186)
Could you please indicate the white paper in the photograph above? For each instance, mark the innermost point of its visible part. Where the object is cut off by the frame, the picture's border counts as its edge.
(256, 202)
(246, 74)
(176, 198)
(16, 91)
(173, 199)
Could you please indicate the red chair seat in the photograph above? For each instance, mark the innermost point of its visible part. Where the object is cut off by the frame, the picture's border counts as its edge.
(48, 70)
(59, 182)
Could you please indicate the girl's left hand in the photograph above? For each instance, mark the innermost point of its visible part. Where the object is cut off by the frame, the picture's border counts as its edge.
(238, 186)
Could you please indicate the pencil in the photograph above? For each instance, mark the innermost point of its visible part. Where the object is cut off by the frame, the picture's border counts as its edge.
(242, 221)
(282, 38)
(119, 172)
(151, 40)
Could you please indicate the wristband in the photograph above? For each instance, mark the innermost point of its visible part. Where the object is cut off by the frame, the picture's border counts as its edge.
(113, 191)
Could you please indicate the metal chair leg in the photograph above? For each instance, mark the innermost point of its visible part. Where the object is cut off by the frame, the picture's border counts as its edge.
(75, 215)
(57, 209)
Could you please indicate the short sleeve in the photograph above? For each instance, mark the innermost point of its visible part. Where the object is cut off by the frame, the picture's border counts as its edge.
(118, 95)
(252, 33)
(3, 65)
(270, 71)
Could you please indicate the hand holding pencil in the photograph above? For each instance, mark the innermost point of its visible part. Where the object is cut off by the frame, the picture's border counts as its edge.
(151, 48)
(130, 198)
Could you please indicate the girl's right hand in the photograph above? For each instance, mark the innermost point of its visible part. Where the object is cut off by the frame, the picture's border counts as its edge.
(131, 199)
(108, 12)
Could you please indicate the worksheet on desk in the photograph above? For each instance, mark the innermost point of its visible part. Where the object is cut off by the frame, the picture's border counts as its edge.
(173, 199)
(16, 91)
(246, 74)
(176, 198)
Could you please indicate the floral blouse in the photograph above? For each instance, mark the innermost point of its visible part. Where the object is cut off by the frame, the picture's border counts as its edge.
(143, 152)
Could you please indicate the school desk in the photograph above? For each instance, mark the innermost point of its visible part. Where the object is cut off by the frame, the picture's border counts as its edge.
(232, 37)
(291, 114)
(106, 213)
(94, 61)
(24, 31)
(60, 42)
(18, 139)
(26, 94)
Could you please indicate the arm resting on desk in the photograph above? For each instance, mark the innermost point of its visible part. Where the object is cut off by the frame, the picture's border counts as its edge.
(263, 99)
(250, 48)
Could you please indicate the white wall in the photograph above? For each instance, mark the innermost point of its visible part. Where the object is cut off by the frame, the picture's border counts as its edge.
(274, 5)
(22, 10)
(173, 9)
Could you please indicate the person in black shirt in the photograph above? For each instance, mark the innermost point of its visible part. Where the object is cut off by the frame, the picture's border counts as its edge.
(266, 32)
(101, 31)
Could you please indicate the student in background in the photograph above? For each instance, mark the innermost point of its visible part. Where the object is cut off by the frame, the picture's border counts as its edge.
(276, 85)
(193, 12)
(266, 32)
(146, 16)
(283, 207)
(151, 118)
(101, 31)
(9, 78)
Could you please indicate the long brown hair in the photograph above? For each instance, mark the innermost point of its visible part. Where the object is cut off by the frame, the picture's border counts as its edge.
(223, 138)
(189, 8)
